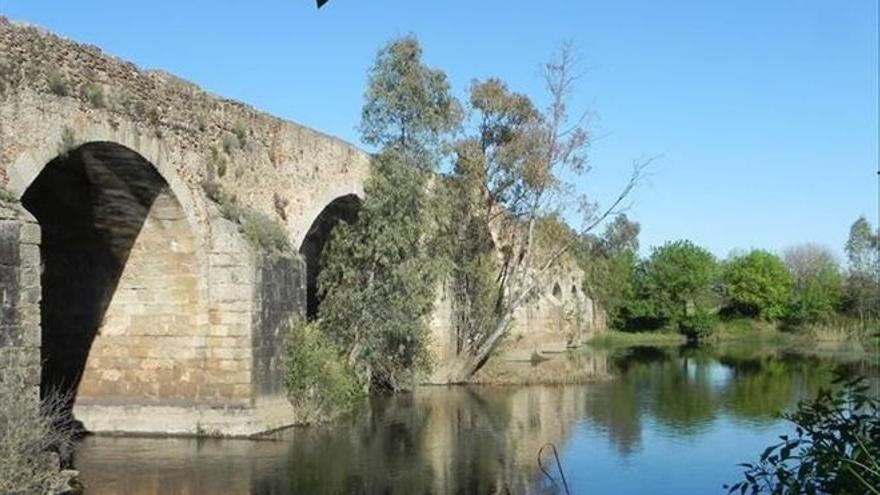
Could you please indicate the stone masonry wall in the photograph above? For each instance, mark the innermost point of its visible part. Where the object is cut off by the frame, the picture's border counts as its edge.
(280, 295)
(20, 291)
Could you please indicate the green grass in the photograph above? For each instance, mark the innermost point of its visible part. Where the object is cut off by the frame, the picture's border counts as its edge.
(614, 338)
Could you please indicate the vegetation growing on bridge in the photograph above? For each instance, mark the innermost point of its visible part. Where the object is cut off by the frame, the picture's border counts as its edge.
(261, 231)
(27, 434)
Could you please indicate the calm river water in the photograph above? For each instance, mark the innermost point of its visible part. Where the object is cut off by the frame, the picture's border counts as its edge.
(672, 421)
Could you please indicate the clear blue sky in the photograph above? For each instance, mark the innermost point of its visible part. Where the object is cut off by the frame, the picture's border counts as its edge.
(765, 113)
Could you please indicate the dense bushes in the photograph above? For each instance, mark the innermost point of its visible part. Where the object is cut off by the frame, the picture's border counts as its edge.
(319, 382)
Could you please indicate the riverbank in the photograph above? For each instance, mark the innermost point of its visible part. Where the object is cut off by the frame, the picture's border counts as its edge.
(545, 362)
(813, 339)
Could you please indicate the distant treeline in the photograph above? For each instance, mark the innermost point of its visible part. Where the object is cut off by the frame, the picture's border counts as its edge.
(682, 287)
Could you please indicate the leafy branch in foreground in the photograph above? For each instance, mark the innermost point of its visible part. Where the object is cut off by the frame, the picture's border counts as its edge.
(836, 447)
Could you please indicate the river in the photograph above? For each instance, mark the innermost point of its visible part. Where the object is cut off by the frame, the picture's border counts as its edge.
(670, 420)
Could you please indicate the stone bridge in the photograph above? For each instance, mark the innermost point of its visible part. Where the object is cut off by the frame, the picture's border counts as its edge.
(121, 279)
(126, 282)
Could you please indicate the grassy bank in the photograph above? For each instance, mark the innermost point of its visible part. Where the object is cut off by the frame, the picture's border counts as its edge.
(843, 335)
(615, 338)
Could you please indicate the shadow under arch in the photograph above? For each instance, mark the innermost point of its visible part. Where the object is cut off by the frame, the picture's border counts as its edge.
(343, 208)
(93, 204)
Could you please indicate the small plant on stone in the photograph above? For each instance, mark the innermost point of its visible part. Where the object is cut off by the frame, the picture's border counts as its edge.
(67, 143)
(229, 143)
(240, 133)
(93, 93)
(57, 83)
(201, 122)
(261, 231)
(218, 164)
(7, 196)
(153, 116)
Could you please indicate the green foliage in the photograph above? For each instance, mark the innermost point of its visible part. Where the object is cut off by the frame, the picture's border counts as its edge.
(835, 449)
(240, 133)
(217, 164)
(319, 382)
(612, 339)
(408, 104)
(153, 115)
(380, 275)
(610, 265)
(94, 94)
(758, 285)
(818, 284)
(863, 278)
(57, 83)
(674, 288)
(229, 143)
(261, 231)
(474, 268)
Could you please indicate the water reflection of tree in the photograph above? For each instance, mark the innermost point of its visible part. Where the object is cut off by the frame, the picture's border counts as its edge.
(686, 389)
(763, 387)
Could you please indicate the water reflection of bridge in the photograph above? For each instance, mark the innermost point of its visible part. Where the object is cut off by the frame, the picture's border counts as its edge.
(476, 439)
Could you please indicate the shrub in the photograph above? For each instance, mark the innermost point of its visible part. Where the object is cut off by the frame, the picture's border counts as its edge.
(94, 94)
(319, 383)
(28, 430)
(68, 141)
(153, 116)
(57, 83)
(240, 134)
(699, 325)
(835, 449)
(260, 230)
(229, 143)
(217, 163)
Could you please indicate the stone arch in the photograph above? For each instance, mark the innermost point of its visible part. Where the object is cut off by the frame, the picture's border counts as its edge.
(119, 279)
(342, 208)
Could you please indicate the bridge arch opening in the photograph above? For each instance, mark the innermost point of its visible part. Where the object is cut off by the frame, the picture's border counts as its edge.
(344, 208)
(119, 279)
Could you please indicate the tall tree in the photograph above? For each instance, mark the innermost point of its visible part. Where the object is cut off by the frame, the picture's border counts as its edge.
(515, 164)
(863, 277)
(609, 263)
(381, 272)
(675, 287)
(818, 284)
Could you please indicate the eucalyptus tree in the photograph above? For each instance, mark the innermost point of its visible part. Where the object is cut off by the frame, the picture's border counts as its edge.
(863, 277)
(514, 166)
(381, 272)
